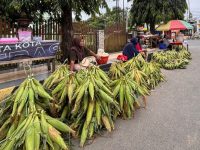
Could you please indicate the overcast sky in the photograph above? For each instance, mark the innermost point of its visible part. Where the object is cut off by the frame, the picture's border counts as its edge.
(194, 7)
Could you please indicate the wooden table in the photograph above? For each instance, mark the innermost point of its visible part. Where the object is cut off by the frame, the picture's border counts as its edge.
(176, 44)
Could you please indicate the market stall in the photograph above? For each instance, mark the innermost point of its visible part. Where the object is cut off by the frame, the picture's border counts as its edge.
(176, 44)
(151, 41)
(174, 27)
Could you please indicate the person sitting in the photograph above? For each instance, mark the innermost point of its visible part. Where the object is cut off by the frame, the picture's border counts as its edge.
(77, 53)
(166, 42)
(130, 49)
(162, 45)
(139, 48)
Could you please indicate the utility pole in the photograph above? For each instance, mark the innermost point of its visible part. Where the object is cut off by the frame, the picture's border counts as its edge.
(123, 11)
(117, 14)
(188, 15)
(127, 14)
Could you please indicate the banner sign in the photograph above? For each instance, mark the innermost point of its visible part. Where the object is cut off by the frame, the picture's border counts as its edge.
(30, 49)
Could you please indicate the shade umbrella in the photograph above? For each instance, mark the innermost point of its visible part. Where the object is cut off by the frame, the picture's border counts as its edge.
(175, 25)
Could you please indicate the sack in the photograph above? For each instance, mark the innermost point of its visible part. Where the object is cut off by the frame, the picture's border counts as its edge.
(88, 61)
(85, 62)
(78, 67)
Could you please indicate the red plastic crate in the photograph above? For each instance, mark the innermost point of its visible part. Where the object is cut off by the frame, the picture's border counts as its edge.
(103, 60)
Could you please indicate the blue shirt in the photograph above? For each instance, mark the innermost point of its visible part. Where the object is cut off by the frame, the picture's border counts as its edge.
(130, 49)
(162, 46)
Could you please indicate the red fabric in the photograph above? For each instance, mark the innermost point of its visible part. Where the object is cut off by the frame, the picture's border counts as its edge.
(176, 43)
(177, 25)
(122, 57)
(138, 47)
(103, 60)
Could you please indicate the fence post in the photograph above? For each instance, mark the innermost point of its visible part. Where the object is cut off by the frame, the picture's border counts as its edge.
(100, 39)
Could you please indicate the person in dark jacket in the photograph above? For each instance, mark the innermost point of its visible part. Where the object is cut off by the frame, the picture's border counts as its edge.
(130, 49)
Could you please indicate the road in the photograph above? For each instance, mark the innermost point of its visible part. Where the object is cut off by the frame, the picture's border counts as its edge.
(171, 120)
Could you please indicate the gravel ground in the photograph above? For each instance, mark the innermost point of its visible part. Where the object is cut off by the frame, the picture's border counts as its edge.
(171, 120)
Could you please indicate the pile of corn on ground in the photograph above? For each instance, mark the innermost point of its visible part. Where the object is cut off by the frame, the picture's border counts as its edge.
(172, 59)
(74, 105)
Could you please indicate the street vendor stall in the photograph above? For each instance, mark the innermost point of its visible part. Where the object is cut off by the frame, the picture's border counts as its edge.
(173, 29)
(175, 26)
(151, 41)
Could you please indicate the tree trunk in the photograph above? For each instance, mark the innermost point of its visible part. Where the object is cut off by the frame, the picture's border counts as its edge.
(67, 31)
(152, 27)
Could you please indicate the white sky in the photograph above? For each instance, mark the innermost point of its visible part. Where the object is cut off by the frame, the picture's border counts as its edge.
(111, 4)
(194, 7)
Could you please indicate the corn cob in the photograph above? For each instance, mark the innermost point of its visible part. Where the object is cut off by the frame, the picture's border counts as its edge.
(55, 137)
(59, 125)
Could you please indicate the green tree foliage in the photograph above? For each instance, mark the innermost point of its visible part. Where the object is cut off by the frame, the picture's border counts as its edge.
(109, 18)
(155, 11)
(59, 9)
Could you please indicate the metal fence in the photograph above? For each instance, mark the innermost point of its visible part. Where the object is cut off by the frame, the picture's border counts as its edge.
(115, 37)
(51, 30)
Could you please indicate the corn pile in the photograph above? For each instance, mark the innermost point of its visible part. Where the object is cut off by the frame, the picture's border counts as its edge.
(62, 93)
(85, 100)
(56, 76)
(154, 74)
(92, 104)
(126, 92)
(150, 72)
(136, 62)
(172, 59)
(146, 74)
(24, 125)
(89, 100)
(117, 70)
(132, 80)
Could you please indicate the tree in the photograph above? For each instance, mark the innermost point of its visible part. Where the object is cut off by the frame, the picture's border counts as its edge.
(155, 11)
(59, 9)
(109, 18)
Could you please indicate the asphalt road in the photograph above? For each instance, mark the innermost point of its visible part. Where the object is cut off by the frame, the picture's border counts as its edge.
(171, 120)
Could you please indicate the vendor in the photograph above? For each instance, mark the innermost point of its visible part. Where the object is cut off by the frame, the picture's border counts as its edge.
(130, 49)
(166, 42)
(77, 53)
(162, 45)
